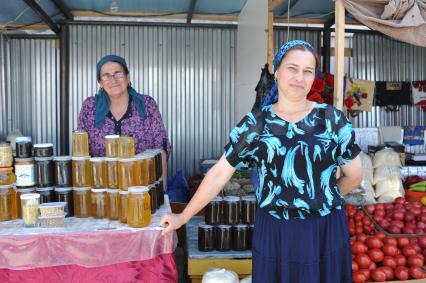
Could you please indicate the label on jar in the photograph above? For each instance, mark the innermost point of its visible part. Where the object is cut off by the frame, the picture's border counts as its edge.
(25, 175)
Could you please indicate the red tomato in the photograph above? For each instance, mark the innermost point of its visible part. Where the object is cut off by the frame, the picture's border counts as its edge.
(417, 272)
(416, 261)
(400, 260)
(380, 235)
(374, 242)
(388, 272)
(354, 266)
(363, 260)
(403, 241)
(370, 208)
(372, 266)
(361, 238)
(376, 255)
(390, 241)
(359, 248)
(401, 272)
(366, 272)
(390, 250)
(390, 261)
(358, 277)
(422, 241)
(408, 251)
(378, 275)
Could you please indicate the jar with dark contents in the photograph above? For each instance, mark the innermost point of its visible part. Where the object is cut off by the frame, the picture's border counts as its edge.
(153, 195)
(46, 194)
(65, 195)
(62, 171)
(24, 147)
(44, 171)
(43, 150)
(248, 209)
(205, 237)
(250, 236)
(231, 210)
(222, 238)
(213, 211)
(161, 190)
(239, 237)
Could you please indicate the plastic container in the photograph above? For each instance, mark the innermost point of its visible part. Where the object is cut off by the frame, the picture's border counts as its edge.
(99, 203)
(5, 202)
(112, 204)
(52, 209)
(65, 195)
(205, 237)
(99, 172)
(82, 202)
(80, 143)
(111, 145)
(44, 171)
(46, 194)
(18, 193)
(213, 211)
(53, 221)
(29, 204)
(43, 150)
(138, 207)
(81, 172)
(62, 171)
(122, 206)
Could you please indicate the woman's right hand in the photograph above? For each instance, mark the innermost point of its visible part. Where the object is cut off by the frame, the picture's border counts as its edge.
(171, 222)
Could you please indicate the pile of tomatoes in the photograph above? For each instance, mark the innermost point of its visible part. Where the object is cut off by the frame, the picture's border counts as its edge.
(378, 257)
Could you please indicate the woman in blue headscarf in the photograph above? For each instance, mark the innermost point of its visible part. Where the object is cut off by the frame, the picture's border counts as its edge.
(301, 232)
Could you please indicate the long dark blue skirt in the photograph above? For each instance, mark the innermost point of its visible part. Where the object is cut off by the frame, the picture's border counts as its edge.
(302, 251)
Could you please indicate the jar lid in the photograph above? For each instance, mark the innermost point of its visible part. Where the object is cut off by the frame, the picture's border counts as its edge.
(25, 190)
(62, 158)
(5, 169)
(205, 226)
(5, 144)
(23, 159)
(123, 192)
(113, 191)
(50, 158)
(81, 189)
(110, 159)
(22, 139)
(231, 198)
(30, 196)
(241, 226)
(65, 189)
(249, 198)
(44, 189)
(217, 199)
(98, 190)
(97, 159)
(80, 158)
(79, 131)
(6, 187)
(224, 226)
(112, 136)
(138, 189)
(43, 145)
(127, 160)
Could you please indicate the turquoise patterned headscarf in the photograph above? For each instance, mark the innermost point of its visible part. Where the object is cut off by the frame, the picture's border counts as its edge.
(272, 97)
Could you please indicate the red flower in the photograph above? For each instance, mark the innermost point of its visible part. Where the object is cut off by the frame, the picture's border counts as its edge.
(318, 86)
(315, 96)
(349, 102)
(329, 79)
(364, 95)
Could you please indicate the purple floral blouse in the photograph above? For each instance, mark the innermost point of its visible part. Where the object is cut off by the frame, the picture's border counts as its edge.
(149, 132)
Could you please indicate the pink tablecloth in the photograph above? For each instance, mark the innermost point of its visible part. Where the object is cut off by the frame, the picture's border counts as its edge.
(159, 269)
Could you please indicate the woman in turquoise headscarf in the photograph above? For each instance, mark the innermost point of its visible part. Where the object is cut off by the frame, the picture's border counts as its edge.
(301, 232)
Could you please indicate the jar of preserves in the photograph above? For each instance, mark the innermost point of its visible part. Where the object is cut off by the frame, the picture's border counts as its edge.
(112, 204)
(81, 172)
(99, 172)
(239, 237)
(46, 194)
(44, 171)
(231, 210)
(7, 177)
(138, 207)
(99, 203)
(143, 167)
(80, 143)
(65, 195)
(122, 206)
(6, 154)
(153, 196)
(125, 173)
(223, 237)
(62, 171)
(248, 209)
(205, 237)
(111, 145)
(25, 172)
(82, 202)
(112, 172)
(29, 204)
(43, 150)
(126, 147)
(213, 211)
(5, 202)
(24, 147)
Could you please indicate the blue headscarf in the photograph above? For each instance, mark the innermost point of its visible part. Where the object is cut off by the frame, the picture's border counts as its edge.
(102, 103)
(272, 96)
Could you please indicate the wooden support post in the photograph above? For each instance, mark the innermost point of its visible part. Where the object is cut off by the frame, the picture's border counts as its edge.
(339, 54)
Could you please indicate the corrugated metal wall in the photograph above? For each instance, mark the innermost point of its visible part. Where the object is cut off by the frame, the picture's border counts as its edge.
(376, 57)
(280, 37)
(189, 71)
(31, 89)
(3, 112)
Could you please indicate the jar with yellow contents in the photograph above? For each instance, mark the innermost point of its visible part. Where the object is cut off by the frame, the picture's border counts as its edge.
(126, 173)
(81, 172)
(7, 177)
(99, 203)
(6, 208)
(138, 207)
(122, 206)
(82, 202)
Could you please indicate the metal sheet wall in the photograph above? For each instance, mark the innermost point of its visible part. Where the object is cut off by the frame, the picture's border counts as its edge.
(379, 58)
(3, 112)
(280, 37)
(190, 72)
(30, 89)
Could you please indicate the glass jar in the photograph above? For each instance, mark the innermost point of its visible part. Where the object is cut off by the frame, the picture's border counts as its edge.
(138, 207)
(161, 190)
(18, 193)
(43, 150)
(126, 147)
(112, 172)
(250, 236)
(81, 172)
(122, 206)
(205, 237)
(143, 167)
(223, 237)
(44, 171)
(151, 168)
(80, 143)
(239, 237)
(29, 204)
(99, 203)
(65, 195)
(24, 147)
(111, 145)
(112, 204)
(99, 172)
(6, 154)
(62, 171)
(248, 209)
(125, 173)
(231, 210)
(5, 202)
(46, 194)
(213, 211)
(82, 202)
(153, 196)
(25, 172)
(7, 177)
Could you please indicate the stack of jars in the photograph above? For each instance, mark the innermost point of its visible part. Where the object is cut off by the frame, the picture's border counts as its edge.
(8, 209)
(229, 223)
